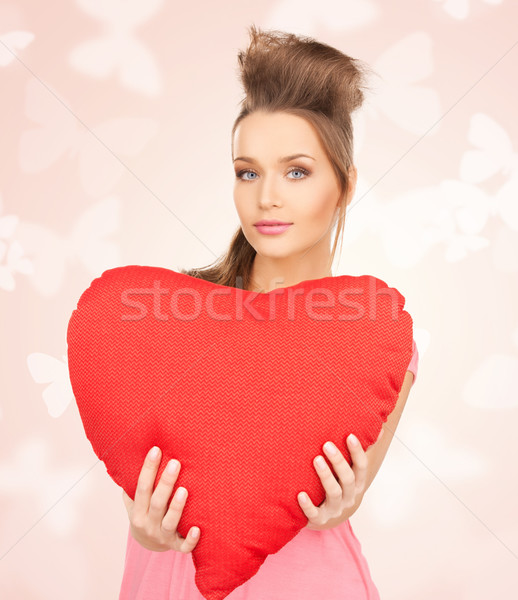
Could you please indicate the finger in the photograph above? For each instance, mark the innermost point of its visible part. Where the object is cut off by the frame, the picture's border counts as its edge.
(162, 493)
(174, 511)
(146, 482)
(360, 462)
(310, 510)
(172, 518)
(331, 485)
(345, 474)
(189, 543)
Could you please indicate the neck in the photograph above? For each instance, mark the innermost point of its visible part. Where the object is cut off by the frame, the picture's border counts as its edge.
(269, 274)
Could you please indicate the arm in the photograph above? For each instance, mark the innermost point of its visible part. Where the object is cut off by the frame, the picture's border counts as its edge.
(376, 453)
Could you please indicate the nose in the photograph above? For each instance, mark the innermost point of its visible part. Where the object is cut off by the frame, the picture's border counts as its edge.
(268, 194)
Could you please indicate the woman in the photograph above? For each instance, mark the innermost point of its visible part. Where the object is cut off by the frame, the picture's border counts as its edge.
(292, 150)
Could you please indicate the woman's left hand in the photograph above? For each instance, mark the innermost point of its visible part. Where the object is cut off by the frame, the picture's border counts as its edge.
(341, 493)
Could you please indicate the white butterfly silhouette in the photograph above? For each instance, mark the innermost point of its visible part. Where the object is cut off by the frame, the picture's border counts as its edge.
(47, 369)
(51, 253)
(11, 42)
(306, 16)
(118, 51)
(459, 9)
(59, 133)
(451, 214)
(494, 151)
(12, 251)
(494, 154)
(411, 105)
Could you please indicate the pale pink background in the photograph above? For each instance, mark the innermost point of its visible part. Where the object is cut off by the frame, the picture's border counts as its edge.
(115, 149)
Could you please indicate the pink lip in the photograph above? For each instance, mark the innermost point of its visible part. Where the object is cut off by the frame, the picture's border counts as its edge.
(272, 229)
(272, 222)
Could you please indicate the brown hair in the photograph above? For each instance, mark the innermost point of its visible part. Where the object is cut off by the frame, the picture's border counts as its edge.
(281, 71)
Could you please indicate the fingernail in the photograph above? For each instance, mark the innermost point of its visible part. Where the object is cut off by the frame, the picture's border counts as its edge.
(154, 452)
(194, 532)
(353, 440)
(172, 465)
(321, 463)
(331, 448)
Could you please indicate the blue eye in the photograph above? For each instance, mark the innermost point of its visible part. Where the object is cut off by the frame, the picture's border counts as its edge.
(297, 169)
(305, 172)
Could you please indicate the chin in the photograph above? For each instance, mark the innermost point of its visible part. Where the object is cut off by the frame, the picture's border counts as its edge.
(267, 251)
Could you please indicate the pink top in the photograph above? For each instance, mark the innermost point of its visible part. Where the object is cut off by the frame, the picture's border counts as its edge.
(314, 564)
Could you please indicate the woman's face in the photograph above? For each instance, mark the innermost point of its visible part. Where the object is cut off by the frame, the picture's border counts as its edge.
(302, 191)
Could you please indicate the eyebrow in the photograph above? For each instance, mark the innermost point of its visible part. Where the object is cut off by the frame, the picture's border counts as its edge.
(281, 160)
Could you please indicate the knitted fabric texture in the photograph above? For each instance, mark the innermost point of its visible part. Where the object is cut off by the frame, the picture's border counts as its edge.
(243, 388)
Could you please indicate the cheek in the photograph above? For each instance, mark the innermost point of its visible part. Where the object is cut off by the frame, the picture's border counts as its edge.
(240, 205)
(321, 206)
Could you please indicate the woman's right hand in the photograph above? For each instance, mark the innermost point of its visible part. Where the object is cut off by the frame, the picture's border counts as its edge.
(151, 526)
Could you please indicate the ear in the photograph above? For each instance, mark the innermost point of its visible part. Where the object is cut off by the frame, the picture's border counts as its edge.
(353, 177)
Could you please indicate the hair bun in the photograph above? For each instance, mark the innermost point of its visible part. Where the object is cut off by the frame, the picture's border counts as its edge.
(283, 69)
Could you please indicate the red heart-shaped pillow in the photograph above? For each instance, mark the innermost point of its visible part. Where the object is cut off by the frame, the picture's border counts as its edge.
(243, 388)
